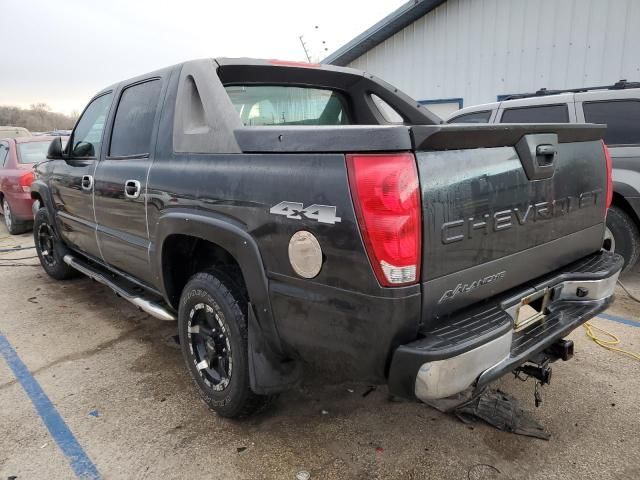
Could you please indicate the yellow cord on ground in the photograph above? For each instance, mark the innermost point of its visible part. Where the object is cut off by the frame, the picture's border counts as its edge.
(605, 343)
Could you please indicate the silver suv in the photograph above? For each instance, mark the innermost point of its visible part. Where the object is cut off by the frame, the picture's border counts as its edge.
(618, 106)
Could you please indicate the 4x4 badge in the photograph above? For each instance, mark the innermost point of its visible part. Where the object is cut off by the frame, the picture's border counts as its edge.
(295, 211)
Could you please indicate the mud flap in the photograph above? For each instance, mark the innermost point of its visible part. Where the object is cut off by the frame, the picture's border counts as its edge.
(269, 373)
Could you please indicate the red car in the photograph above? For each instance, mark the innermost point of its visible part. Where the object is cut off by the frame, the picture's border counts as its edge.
(17, 157)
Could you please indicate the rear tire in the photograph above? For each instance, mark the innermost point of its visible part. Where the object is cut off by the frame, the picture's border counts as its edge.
(14, 226)
(213, 339)
(625, 237)
(50, 248)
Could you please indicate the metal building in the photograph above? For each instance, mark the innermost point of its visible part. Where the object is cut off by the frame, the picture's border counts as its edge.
(454, 53)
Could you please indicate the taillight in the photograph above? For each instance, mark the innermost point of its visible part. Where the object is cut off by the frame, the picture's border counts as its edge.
(607, 159)
(25, 181)
(386, 197)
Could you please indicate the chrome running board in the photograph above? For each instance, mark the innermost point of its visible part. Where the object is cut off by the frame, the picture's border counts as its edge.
(147, 305)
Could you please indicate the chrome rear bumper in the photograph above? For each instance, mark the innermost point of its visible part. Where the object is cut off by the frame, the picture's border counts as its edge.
(444, 378)
(474, 346)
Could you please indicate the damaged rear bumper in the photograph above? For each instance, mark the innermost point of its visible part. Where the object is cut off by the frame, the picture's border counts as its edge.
(476, 348)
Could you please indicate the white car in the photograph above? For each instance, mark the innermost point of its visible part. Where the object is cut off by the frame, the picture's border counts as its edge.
(13, 132)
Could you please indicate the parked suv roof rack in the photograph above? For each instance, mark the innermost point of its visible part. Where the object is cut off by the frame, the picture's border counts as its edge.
(619, 85)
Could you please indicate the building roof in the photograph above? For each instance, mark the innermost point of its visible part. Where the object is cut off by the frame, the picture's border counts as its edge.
(378, 33)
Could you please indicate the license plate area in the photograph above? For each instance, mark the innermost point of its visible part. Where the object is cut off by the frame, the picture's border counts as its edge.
(532, 309)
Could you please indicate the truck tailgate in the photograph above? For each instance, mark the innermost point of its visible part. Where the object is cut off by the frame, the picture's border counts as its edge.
(503, 204)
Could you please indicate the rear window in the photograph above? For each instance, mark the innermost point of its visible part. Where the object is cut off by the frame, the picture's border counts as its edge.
(33, 152)
(541, 114)
(621, 116)
(265, 105)
(474, 117)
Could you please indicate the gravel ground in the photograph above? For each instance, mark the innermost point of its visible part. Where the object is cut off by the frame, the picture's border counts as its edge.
(94, 353)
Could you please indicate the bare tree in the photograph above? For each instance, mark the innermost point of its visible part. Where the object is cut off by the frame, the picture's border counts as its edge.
(38, 118)
(40, 107)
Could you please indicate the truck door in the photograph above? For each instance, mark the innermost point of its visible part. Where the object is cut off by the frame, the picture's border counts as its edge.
(121, 179)
(72, 180)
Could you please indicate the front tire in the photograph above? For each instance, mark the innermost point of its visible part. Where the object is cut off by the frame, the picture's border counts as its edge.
(213, 339)
(50, 248)
(622, 236)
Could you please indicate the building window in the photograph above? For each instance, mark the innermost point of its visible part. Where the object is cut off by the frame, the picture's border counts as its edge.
(443, 107)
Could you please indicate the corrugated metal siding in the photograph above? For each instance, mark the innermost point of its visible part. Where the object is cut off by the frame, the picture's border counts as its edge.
(478, 49)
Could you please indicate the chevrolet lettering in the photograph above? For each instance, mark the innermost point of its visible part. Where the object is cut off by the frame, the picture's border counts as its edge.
(487, 223)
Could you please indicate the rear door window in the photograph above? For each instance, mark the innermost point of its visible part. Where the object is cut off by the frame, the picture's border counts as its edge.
(135, 117)
(267, 105)
(473, 117)
(537, 114)
(622, 118)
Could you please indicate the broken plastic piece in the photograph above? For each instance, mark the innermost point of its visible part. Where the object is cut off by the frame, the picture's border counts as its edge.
(502, 411)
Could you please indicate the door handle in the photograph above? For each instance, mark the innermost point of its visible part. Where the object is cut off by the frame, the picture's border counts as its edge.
(132, 189)
(87, 182)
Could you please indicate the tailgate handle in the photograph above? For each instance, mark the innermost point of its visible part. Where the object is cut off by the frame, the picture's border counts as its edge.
(537, 153)
(547, 152)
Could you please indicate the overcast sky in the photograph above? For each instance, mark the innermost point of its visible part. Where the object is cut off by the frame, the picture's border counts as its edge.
(62, 52)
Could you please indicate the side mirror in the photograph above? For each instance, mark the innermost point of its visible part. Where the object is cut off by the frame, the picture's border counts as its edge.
(55, 149)
(83, 149)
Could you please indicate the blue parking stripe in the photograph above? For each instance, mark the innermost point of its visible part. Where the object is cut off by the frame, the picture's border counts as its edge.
(624, 321)
(78, 459)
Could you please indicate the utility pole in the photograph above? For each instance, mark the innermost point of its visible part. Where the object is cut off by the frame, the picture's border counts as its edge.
(304, 47)
(316, 40)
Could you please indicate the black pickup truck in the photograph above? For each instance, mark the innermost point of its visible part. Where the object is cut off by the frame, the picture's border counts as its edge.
(277, 213)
